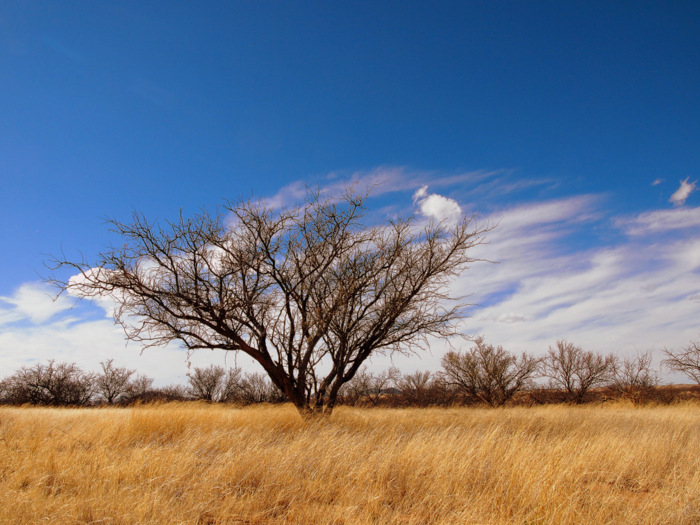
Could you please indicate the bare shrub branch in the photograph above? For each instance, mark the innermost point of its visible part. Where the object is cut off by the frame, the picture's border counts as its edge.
(422, 389)
(257, 388)
(139, 388)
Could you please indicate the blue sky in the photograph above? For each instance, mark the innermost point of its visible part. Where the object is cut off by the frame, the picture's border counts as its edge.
(571, 124)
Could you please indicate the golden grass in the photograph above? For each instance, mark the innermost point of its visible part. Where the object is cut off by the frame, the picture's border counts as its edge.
(195, 463)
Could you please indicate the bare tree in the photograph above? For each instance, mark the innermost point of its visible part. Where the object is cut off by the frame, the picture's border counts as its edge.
(576, 371)
(216, 384)
(113, 382)
(207, 384)
(50, 384)
(487, 373)
(309, 293)
(635, 379)
(685, 361)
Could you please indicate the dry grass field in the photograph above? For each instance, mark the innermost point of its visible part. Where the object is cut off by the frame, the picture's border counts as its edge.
(196, 463)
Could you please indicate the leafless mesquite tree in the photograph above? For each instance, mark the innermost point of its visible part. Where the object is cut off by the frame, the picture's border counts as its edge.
(575, 370)
(487, 373)
(113, 382)
(309, 293)
(231, 386)
(685, 361)
(634, 378)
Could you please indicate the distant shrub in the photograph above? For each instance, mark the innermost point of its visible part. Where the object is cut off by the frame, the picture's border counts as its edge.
(113, 384)
(256, 388)
(422, 389)
(56, 384)
(488, 374)
(635, 379)
(208, 384)
(575, 371)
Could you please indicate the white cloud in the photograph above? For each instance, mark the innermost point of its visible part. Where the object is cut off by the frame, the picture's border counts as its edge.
(682, 193)
(421, 193)
(80, 288)
(522, 218)
(660, 221)
(436, 206)
(527, 241)
(35, 302)
(381, 180)
(657, 182)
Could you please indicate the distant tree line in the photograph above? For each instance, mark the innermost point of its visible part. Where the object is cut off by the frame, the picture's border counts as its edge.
(483, 374)
(63, 384)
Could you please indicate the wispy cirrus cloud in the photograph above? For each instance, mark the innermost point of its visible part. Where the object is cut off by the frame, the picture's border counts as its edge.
(381, 181)
(658, 221)
(614, 302)
(637, 293)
